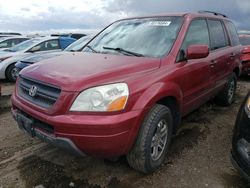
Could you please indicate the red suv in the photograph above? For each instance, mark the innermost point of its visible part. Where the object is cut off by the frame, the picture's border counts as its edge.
(126, 92)
(245, 56)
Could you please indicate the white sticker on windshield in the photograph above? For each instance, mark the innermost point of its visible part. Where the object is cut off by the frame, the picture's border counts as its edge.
(159, 23)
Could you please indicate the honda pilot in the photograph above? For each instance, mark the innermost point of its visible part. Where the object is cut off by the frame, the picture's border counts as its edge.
(126, 92)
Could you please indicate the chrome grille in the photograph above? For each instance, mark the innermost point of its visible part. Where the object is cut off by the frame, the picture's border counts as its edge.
(45, 94)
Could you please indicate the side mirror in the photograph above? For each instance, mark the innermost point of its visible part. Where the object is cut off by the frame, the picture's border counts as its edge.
(246, 50)
(35, 49)
(197, 51)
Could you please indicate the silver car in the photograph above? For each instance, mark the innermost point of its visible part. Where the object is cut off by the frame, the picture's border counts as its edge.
(8, 42)
(10, 56)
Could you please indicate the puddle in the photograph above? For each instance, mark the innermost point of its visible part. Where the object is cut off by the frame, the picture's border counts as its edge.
(35, 171)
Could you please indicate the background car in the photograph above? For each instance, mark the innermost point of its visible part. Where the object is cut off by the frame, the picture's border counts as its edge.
(9, 34)
(240, 154)
(10, 56)
(245, 56)
(8, 42)
(31, 59)
(72, 35)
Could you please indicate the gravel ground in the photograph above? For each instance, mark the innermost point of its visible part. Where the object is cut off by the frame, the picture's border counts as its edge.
(198, 157)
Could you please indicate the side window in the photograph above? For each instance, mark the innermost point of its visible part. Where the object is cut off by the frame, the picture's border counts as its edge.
(232, 33)
(47, 45)
(197, 34)
(4, 44)
(217, 35)
(15, 42)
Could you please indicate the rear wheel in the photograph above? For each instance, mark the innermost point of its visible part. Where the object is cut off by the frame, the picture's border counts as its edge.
(226, 96)
(11, 73)
(153, 140)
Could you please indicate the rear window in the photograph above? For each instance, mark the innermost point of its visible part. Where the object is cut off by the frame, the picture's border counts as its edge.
(217, 35)
(232, 33)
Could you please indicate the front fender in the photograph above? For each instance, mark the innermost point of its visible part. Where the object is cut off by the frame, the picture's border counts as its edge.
(157, 92)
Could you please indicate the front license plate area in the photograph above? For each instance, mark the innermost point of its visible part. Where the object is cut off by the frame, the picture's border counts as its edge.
(26, 124)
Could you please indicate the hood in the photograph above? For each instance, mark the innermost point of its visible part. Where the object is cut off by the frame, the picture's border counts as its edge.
(78, 71)
(39, 57)
(7, 54)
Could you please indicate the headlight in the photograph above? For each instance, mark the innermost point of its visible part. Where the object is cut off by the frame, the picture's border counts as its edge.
(247, 107)
(107, 98)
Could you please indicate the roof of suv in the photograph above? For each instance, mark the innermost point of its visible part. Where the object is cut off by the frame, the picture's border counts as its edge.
(206, 14)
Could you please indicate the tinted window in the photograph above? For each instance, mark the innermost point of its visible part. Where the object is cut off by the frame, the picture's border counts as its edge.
(79, 44)
(233, 33)
(9, 43)
(24, 45)
(151, 37)
(48, 45)
(4, 44)
(197, 34)
(217, 35)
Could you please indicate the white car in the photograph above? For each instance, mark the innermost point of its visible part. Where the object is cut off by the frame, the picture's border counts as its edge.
(10, 56)
(8, 42)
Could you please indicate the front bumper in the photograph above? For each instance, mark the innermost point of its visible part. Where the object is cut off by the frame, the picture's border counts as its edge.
(60, 142)
(97, 135)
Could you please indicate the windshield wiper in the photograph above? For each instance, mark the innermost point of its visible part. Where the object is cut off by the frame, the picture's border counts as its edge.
(90, 47)
(123, 51)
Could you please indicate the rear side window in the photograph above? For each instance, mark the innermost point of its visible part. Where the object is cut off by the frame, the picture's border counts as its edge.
(197, 34)
(217, 35)
(48, 45)
(232, 33)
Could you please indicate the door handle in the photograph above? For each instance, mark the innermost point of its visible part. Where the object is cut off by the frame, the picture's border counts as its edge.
(232, 55)
(212, 63)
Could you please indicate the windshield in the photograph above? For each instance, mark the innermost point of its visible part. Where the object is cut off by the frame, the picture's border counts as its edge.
(24, 45)
(150, 37)
(78, 45)
(244, 40)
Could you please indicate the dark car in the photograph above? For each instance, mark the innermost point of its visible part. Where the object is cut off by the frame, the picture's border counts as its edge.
(245, 56)
(126, 92)
(240, 155)
(74, 47)
(72, 35)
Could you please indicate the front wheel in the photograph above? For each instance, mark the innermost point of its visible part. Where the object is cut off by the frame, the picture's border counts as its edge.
(11, 73)
(153, 140)
(226, 96)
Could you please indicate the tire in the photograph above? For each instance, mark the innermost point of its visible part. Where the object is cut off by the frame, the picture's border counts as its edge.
(226, 96)
(10, 73)
(143, 156)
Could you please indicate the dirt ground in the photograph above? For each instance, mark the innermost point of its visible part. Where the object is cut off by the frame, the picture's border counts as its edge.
(199, 156)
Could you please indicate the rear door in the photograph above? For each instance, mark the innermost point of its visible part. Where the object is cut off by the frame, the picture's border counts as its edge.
(235, 50)
(219, 51)
(195, 73)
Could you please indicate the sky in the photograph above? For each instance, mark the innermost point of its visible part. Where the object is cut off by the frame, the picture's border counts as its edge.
(93, 15)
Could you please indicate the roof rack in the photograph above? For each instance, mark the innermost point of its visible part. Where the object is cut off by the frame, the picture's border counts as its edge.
(211, 12)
